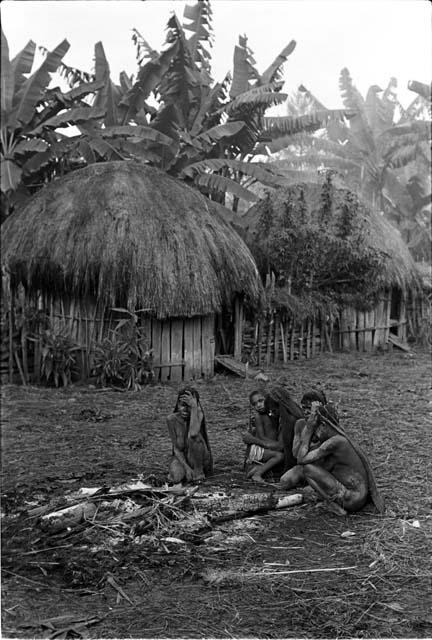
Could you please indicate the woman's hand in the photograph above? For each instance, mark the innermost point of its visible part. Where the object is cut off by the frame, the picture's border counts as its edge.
(189, 399)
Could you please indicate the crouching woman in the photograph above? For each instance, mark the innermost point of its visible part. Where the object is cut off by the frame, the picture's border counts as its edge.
(191, 454)
(333, 465)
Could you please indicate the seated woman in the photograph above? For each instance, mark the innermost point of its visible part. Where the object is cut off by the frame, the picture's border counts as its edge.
(333, 465)
(271, 444)
(265, 446)
(192, 458)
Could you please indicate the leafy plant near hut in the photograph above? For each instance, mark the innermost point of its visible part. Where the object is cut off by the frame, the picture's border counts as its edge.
(58, 357)
(320, 253)
(124, 359)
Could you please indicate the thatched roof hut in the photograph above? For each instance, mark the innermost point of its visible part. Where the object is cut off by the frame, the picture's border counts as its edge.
(129, 235)
(124, 234)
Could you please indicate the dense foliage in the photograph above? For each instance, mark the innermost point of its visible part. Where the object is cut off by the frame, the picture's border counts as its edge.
(172, 114)
(316, 244)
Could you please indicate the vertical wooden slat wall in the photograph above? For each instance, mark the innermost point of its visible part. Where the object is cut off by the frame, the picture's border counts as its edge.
(278, 338)
(183, 349)
(196, 371)
(177, 350)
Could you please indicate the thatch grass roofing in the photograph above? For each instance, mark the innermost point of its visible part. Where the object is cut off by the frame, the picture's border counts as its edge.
(400, 268)
(131, 236)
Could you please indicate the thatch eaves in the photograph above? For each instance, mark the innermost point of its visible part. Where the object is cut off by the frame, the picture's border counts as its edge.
(129, 235)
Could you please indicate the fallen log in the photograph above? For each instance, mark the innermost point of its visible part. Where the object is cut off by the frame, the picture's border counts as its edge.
(220, 506)
(68, 517)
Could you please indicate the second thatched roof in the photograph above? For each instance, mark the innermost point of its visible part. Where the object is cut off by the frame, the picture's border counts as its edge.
(129, 235)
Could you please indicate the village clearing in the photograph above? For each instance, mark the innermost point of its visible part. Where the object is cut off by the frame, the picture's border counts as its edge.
(297, 572)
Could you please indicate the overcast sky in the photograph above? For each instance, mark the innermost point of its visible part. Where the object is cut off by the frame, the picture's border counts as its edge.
(375, 39)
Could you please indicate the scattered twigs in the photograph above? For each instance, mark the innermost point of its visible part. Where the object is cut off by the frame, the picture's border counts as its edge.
(62, 546)
(110, 580)
(320, 570)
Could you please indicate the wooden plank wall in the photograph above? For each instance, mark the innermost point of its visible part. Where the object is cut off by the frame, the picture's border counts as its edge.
(183, 348)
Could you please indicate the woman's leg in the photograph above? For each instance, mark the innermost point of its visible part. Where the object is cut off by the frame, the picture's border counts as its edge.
(270, 458)
(293, 477)
(332, 490)
(176, 472)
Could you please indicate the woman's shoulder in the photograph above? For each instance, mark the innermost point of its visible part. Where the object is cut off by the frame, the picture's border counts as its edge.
(174, 417)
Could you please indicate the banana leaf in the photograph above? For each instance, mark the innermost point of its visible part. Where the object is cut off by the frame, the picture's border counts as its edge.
(138, 133)
(223, 184)
(10, 175)
(279, 126)
(149, 77)
(422, 89)
(267, 175)
(31, 146)
(69, 118)
(34, 86)
(221, 131)
(263, 96)
(274, 70)
(109, 96)
(7, 78)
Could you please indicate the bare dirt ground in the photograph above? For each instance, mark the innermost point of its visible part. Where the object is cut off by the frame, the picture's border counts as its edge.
(374, 581)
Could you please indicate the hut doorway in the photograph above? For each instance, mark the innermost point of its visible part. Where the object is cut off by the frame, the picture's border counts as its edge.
(229, 330)
(398, 314)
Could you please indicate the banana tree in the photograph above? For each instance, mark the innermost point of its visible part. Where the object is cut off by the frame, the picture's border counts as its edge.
(32, 149)
(194, 133)
(376, 151)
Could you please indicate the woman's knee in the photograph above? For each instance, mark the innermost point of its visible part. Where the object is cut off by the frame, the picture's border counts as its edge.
(279, 456)
(176, 472)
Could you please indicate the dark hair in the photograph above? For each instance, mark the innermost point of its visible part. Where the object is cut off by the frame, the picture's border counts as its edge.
(281, 397)
(314, 395)
(182, 391)
(329, 414)
(256, 392)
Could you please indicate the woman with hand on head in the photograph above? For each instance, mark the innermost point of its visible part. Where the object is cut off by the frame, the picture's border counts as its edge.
(192, 459)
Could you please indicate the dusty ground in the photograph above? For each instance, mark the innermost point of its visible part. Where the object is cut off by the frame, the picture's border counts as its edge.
(383, 583)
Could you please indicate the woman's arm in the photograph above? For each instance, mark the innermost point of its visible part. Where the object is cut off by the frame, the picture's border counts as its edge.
(263, 440)
(177, 448)
(329, 446)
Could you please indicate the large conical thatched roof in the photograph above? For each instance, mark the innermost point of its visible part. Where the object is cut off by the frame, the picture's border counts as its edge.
(129, 235)
(400, 267)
